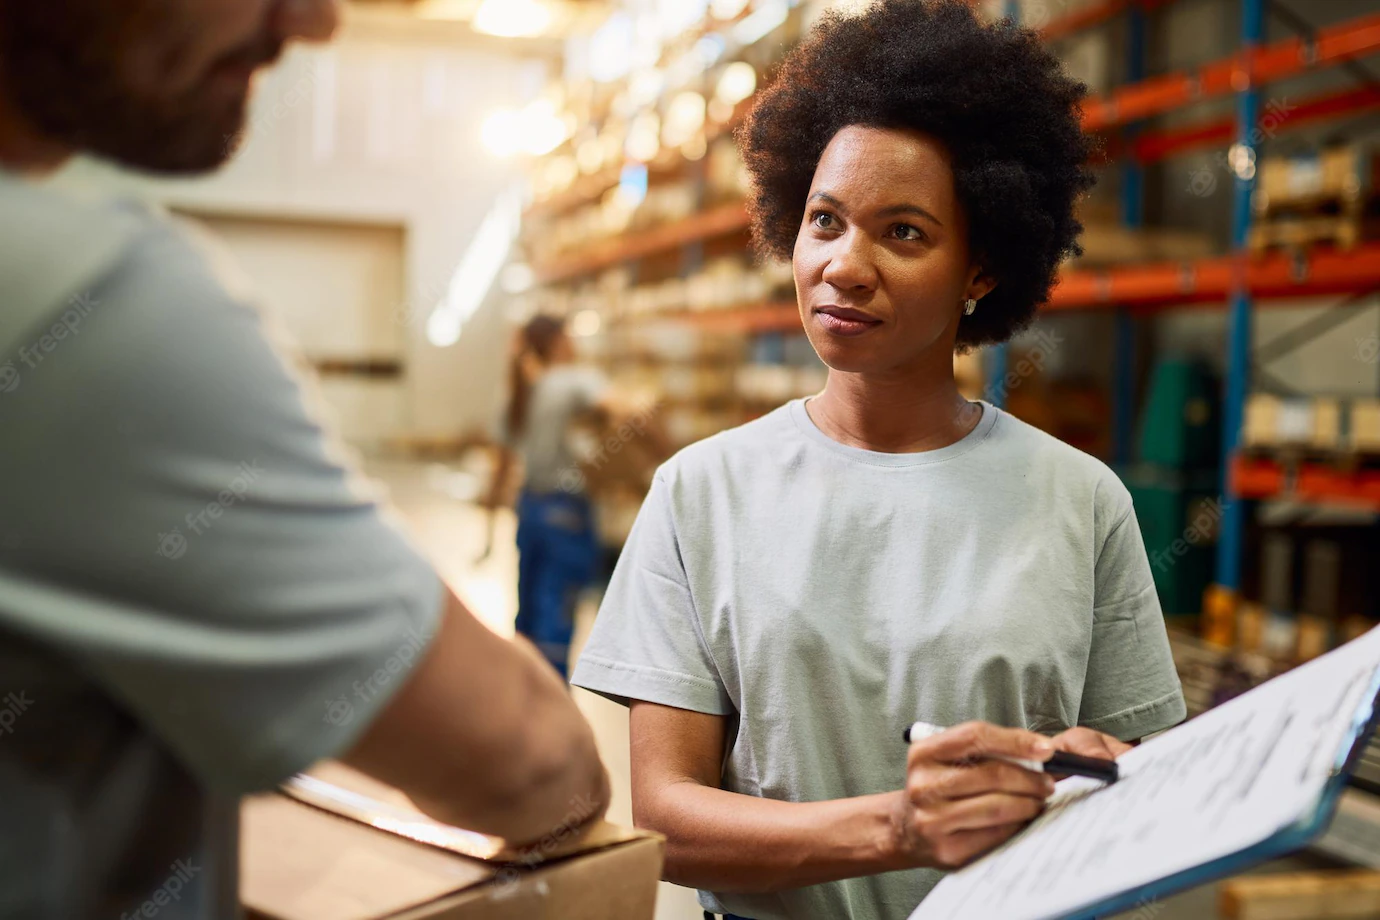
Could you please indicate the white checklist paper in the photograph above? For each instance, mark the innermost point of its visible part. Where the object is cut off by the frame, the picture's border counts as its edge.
(1212, 787)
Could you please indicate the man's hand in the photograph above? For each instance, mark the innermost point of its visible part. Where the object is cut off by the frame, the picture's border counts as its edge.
(958, 805)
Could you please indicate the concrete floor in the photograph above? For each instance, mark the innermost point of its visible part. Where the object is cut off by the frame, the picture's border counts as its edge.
(437, 503)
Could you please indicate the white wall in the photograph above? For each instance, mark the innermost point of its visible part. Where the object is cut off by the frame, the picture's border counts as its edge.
(379, 127)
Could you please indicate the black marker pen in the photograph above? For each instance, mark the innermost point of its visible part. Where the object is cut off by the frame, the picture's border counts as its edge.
(1062, 761)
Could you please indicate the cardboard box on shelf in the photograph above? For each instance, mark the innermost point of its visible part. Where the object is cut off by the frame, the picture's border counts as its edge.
(303, 861)
(1341, 173)
(1313, 422)
(1114, 244)
(1365, 425)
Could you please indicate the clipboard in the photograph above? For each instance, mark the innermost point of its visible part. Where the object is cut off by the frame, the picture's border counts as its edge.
(1236, 803)
(1290, 840)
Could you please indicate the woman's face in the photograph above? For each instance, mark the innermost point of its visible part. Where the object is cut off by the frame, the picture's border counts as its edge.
(881, 261)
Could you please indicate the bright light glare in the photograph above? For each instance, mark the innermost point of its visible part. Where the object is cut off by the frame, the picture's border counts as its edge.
(585, 323)
(767, 17)
(512, 18)
(610, 49)
(684, 117)
(739, 80)
(478, 270)
(518, 278)
(727, 9)
(644, 137)
(536, 130)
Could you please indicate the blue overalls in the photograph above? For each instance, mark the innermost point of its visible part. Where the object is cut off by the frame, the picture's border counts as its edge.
(558, 553)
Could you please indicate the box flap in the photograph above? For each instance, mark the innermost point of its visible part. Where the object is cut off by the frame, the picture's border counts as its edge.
(348, 793)
(298, 862)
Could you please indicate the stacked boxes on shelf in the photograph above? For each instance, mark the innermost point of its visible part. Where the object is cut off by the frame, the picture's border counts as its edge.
(1324, 196)
(1314, 425)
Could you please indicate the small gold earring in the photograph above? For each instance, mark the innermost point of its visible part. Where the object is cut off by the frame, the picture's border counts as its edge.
(969, 306)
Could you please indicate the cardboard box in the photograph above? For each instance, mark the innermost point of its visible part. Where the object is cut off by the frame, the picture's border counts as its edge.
(1365, 425)
(303, 861)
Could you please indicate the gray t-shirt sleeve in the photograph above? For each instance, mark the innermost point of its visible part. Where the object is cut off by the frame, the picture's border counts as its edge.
(647, 642)
(177, 524)
(1131, 688)
(589, 386)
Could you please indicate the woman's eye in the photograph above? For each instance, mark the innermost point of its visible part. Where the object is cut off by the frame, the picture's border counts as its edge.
(908, 233)
(823, 220)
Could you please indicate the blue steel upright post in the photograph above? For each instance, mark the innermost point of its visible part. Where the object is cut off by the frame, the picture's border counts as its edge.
(1133, 217)
(1230, 544)
(995, 358)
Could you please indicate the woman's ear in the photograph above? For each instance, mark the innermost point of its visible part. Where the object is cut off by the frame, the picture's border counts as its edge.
(980, 284)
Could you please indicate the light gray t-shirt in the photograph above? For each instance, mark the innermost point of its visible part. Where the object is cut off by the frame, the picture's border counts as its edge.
(558, 397)
(197, 599)
(824, 597)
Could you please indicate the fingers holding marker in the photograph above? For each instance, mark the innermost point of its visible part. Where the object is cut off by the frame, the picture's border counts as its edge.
(959, 782)
(975, 741)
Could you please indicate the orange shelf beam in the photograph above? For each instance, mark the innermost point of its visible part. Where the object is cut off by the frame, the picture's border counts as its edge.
(1332, 45)
(1154, 146)
(721, 221)
(1092, 15)
(1310, 482)
(1277, 274)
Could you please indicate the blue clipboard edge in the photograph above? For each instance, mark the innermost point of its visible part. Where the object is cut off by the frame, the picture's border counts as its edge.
(1286, 841)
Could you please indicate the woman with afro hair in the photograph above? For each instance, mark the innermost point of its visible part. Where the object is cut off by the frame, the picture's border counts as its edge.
(798, 589)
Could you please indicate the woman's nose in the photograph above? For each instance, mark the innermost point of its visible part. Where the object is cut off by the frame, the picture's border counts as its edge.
(850, 266)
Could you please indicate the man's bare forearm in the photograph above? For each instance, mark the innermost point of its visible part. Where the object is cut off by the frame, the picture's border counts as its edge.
(484, 735)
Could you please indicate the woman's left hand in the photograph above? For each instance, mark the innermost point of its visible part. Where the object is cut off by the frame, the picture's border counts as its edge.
(1089, 743)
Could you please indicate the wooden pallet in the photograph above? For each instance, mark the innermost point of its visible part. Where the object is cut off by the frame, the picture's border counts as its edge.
(1345, 230)
(1302, 896)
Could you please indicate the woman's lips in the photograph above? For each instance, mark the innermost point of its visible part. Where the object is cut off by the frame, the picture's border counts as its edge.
(845, 320)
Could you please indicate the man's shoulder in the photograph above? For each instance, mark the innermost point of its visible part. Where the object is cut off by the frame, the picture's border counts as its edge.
(56, 248)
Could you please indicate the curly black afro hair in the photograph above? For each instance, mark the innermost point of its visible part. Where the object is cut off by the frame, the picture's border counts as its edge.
(996, 98)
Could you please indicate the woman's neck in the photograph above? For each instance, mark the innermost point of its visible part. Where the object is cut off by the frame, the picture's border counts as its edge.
(894, 413)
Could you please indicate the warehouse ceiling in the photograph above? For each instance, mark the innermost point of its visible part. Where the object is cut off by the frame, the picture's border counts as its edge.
(522, 21)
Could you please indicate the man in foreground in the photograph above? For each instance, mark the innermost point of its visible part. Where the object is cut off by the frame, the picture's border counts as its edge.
(197, 599)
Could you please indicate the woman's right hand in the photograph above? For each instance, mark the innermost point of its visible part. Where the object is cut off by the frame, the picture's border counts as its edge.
(957, 805)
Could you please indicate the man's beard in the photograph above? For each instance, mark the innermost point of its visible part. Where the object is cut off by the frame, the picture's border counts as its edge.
(62, 68)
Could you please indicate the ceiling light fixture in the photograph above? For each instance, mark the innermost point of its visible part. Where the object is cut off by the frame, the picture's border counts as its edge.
(513, 18)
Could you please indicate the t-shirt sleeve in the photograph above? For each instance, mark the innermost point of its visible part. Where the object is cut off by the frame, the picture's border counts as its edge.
(589, 386)
(178, 525)
(1131, 688)
(647, 643)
